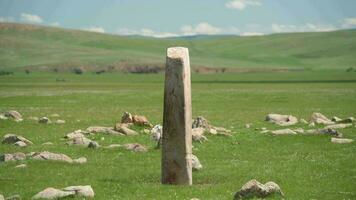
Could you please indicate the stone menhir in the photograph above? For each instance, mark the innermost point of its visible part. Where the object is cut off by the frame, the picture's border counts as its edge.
(177, 119)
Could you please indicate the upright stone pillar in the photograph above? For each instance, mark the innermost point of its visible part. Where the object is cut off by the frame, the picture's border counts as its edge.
(177, 119)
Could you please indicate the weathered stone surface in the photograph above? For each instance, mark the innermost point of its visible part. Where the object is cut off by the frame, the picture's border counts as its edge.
(135, 147)
(12, 157)
(156, 132)
(21, 166)
(20, 144)
(253, 189)
(53, 193)
(196, 165)
(201, 122)
(13, 114)
(112, 146)
(282, 120)
(198, 134)
(140, 120)
(76, 133)
(60, 121)
(284, 132)
(319, 118)
(44, 120)
(81, 191)
(46, 155)
(341, 140)
(298, 130)
(80, 160)
(12, 139)
(103, 129)
(338, 126)
(126, 118)
(82, 141)
(122, 128)
(177, 119)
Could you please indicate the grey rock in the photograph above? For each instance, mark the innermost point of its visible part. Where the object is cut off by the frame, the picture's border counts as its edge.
(12, 139)
(201, 122)
(75, 134)
(81, 191)
(13, 114)
(196, 165)
(135, 147)
(44, 120)
(282, 120)
(53, 193)
(253, 189)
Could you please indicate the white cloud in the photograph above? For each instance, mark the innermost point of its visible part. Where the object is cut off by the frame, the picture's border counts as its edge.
(95, 29)
(242, 4)
(31, 18)
(349, 22)
(202, 28)
(251, 34)
(7, 19)
(54, 24)
(308, 27)
(145, 32)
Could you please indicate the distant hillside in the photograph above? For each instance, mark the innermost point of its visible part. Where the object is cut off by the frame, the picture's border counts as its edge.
(39, 47)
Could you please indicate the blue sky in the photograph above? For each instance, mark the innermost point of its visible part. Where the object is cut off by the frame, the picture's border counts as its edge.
(162, 18)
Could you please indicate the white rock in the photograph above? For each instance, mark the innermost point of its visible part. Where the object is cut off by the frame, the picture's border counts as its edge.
(248, 125)
(103, 129)
(12, 139)
(156, 132)
(80, 160)
(2, 116)
(52, 193)
(338, 126)
(21, 166)
(112, 146)
(47, 143)
(20, 144)
(319, 118)
(282, 120)
(298, 130)
(213, 131)
(60, 121)
(81, 191)
(284, 132)
(312, 124)
(253, 188)
(196, 165)
(2, 197)
(341, 140)
(303, 121)
(198, 134)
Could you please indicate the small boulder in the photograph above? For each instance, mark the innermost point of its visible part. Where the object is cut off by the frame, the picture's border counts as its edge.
(341, 140)
(253, 189)
(196, 165)
(44, 120)
(53, 193)
(123, 128)
(103, 129)
(13, 114)
(82, 141)
(12, 157)
(319, 118)
(60, 121)
(47, 143)
(46, 155)
(201, 122)
(135, 147)
(81, 191)
(113, 146)
(75, 134)
(282, 120)
(20, 144)
(284, 132)
(12, 139)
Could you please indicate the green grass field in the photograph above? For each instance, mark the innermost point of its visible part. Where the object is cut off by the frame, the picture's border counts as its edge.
(306, 167)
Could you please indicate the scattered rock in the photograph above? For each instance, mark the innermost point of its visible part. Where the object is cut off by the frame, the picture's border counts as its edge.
(338, 126)
(196, 165)
(76, 133)
(13, 114)
(156, 132)
(12, 157)
(60, 121)
(15, 139)
(44, 120)
(327, 131)
(93, 145)
(126, 118)
(47, 143)
(341, 140)
(265, 131)
(201, 122)
(20, 144)
(319, 118)
(135, 147)
(336, 119)
(46, 155)
(284, 132)
(80, 160)
(299, 130)
(52, 193)
(123, 128)
(81, 191)
(82, 141)
(3, 117)
(213, 131)
(282, 120)
(103, 129)
(112, 146)
(21, 166)
(254, 189)
(248, 125)
(198, 135)
(221, 131)
(303, 121)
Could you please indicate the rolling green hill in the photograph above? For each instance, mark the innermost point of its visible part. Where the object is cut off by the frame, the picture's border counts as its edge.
(39, 47)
